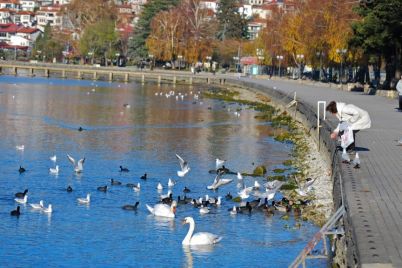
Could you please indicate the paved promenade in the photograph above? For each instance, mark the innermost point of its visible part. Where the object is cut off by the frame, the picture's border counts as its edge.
(373, 192)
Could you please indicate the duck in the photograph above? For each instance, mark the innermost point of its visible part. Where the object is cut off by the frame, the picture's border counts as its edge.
(114, 182)
(167, 200)
(204, 210)
(102, 188)
(186, 190)
(131, 207)
(37, 206)
(80, 129)
(246, 208)
(144, 177)
(163, 210)
(124, 169)
(16, 212)
(86, 200)
(48, 209)
(54, 171)
(137, 187)
(131, 185)
(22, 200)
(228, 196)
(69, 189)
(202, 238)
(21, 195)
(21, 170)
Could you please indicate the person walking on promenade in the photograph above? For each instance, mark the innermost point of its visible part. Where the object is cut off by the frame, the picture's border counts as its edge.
(356, 117)
(399, 88)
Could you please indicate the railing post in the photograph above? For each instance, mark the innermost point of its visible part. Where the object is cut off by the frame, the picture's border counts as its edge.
(191, 80)
(174, 80)
(79, 75)
(318, 119)
(111, 76)
(126, 77)
(63, 73)
(159, 80)
(46, 72)
(94, 76)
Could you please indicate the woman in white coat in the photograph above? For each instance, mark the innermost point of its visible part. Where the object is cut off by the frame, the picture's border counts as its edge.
(356, 117)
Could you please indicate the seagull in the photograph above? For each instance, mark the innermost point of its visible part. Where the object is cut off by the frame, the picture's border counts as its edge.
(218, 182)
(86, 200)
(184, 167)
(345, 157)
(269, 194)
(271, 184)
(22, 200)
(233, 211)
(306, 188)
(78, 167)
(204, 210)
(239, 176)
(245, 192)
(356, 161)
(256, 185)
(159, 186)
(20, 147)
(219, 162)
(54, 171)
(137, 188)
(37, 206)
(48, 209)
(171, 183)
(53, 158)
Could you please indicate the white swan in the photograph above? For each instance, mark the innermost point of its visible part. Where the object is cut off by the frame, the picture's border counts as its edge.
(163, 210)
(54, 171)
(22, 200)
(197, 239)
(84, 200)
(37, 206)
(184, 167)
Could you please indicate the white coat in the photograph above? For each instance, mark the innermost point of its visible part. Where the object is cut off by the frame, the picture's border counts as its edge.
(399, 87)
(357, 118)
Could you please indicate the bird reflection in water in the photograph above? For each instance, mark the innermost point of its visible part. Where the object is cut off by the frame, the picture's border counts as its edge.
(201, 250)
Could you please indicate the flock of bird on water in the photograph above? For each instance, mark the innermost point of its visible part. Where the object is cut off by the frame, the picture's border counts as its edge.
(166, 207)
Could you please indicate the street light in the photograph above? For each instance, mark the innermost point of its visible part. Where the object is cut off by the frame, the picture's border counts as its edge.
(320, 54)
(341, 52)
(151, 56)
(301, 57)
(179, 57)
(279, 58)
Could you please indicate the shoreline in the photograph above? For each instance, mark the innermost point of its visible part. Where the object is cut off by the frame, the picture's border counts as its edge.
(306, 159)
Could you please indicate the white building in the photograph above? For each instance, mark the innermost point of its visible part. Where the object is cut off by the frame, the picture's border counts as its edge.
(5, 16)
(51, 15)
(10, 4)
(29, 5)
(25, 18)
(209, 4)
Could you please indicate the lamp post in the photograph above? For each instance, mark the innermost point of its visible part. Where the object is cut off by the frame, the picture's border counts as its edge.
(151, 56)
(320, 54)
(300, 57)
(179, 57)
(279, 58)
(341, 52)
(90, 54)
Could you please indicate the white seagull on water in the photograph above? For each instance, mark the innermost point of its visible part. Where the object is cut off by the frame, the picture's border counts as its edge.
(54, 171)
(79, 166)
(184, 167)
(53, 158)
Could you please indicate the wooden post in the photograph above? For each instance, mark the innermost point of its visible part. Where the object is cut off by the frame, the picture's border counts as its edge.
(111, 76)
(79, 75)
(159, 80)
(94, 76)
(126, 77)
(63, 73)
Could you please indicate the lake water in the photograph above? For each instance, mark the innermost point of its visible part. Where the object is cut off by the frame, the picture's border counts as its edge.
(44, 115)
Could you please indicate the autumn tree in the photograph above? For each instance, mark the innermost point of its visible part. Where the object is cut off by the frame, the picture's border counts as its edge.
(137, 46)
(50, 44)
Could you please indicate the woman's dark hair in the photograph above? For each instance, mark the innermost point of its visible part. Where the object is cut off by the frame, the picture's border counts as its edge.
(331, 107)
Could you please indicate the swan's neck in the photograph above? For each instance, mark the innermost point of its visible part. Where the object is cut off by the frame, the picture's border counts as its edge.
(187, 239)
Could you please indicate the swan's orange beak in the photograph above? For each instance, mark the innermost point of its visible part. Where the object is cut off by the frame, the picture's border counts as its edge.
(174, 210)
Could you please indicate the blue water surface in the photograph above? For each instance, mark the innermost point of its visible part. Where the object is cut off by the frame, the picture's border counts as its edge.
(44, 115)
